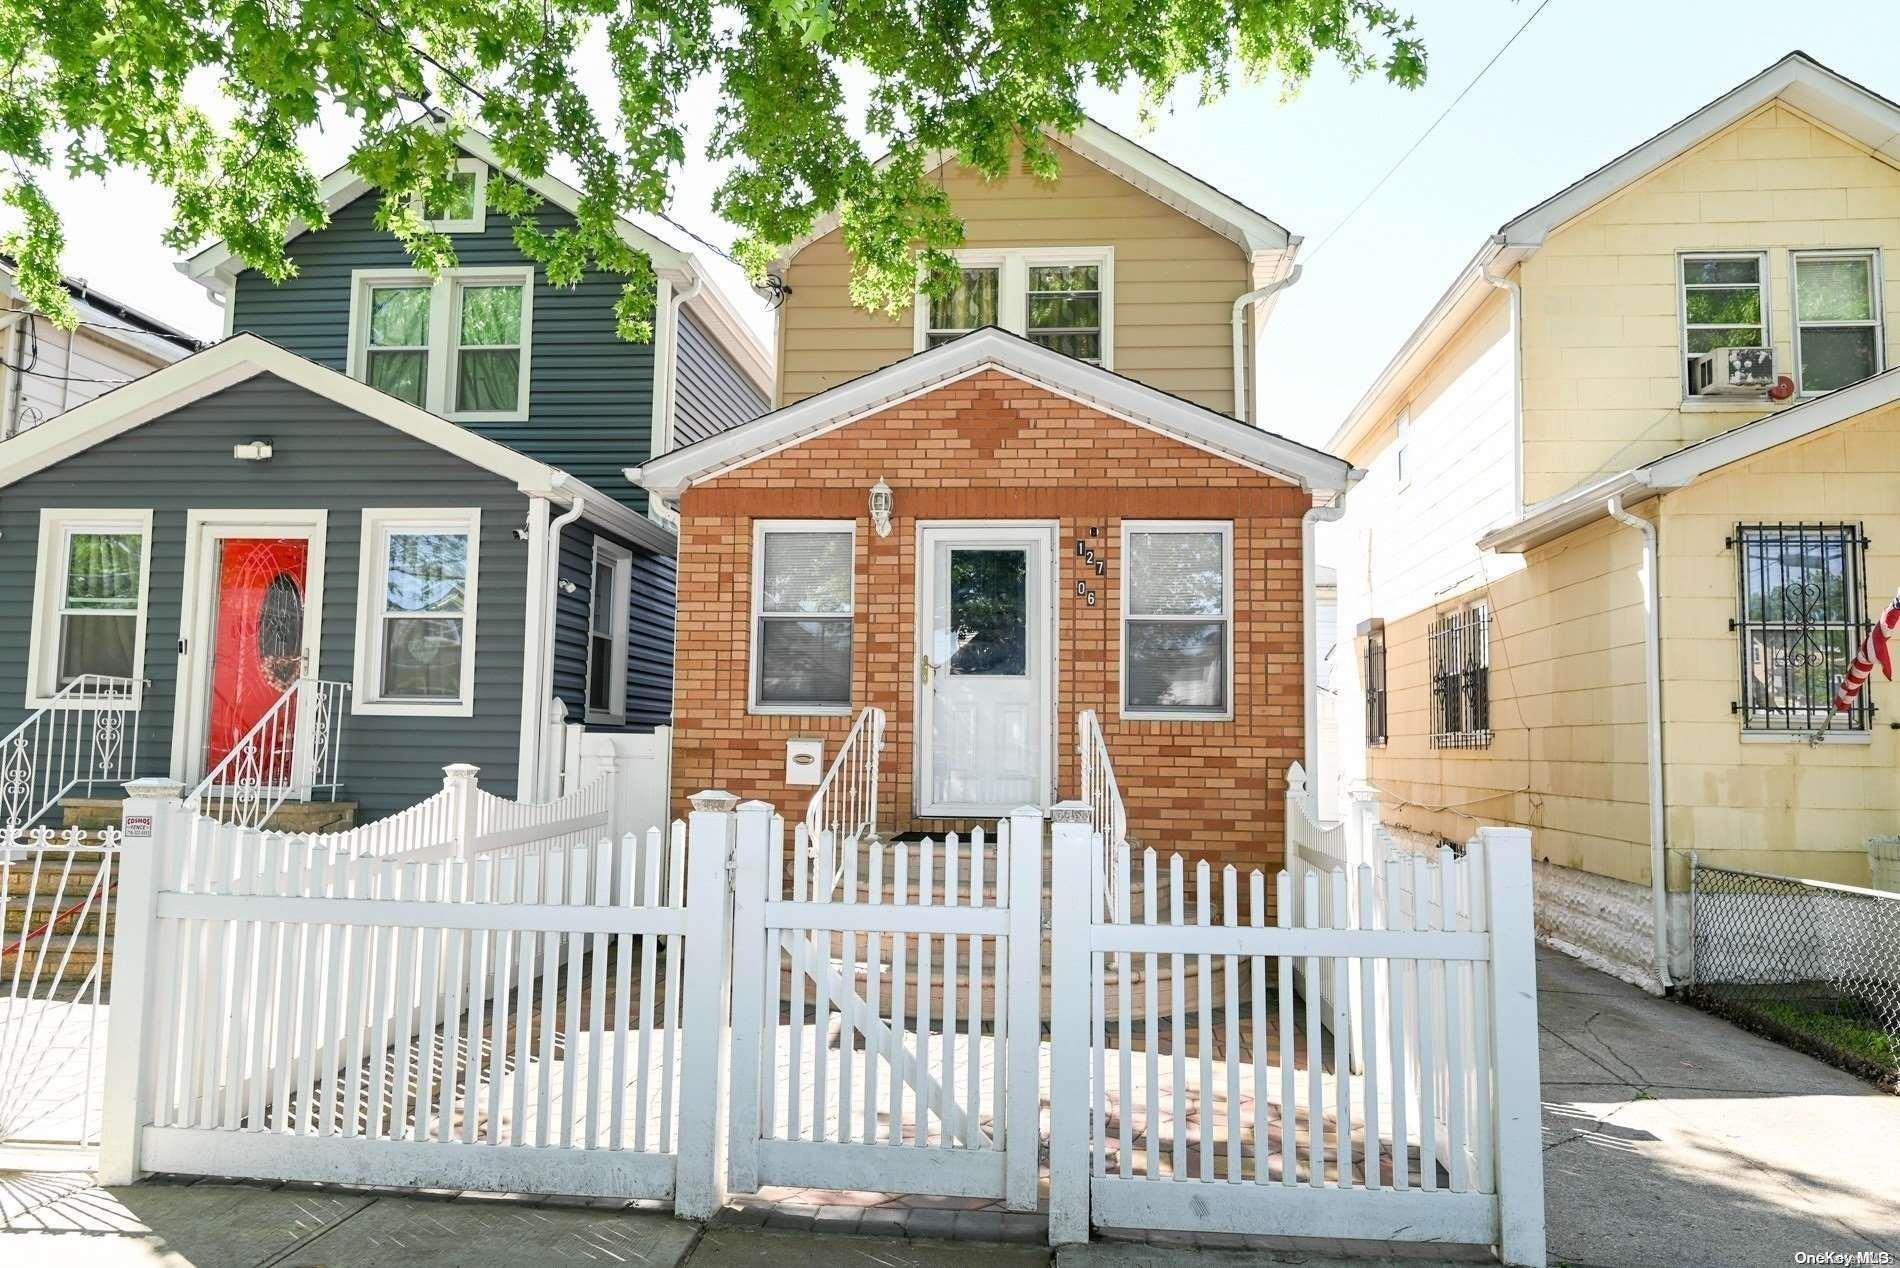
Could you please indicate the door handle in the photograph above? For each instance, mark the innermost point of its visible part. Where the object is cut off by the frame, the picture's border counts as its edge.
(927, 667)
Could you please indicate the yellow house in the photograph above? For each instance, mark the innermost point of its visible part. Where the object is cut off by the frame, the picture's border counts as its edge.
(1632, 497)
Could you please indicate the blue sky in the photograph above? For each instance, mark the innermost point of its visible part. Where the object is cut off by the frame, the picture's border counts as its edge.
(1587, 80)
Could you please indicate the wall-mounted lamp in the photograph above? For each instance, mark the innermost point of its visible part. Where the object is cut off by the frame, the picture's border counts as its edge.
(252, 451)
(882, 500)
(568, 587)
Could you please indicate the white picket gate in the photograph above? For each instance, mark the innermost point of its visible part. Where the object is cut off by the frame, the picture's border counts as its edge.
(1237, 1117)
(498, 1012)
(894, 942)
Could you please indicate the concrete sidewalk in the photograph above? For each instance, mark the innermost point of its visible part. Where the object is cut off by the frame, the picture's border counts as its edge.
(1671, 1137)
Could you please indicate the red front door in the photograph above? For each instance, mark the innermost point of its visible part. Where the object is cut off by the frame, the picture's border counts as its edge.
(257, 650)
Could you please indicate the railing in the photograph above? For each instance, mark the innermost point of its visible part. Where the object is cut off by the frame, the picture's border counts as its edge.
(295, 748)
(88, 733)
(845, 803)
(1108, 816)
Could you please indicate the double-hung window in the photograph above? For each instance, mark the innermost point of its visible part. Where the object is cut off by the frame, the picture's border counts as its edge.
(459, 345)
(802, 603)
(1177, 619)
(607, 601)
(1059, 297)
(89, 603)
(1375, 683)
(1461, 678)
(1803, 611)
(1837, 324)
(1724, 305)
(415, 635)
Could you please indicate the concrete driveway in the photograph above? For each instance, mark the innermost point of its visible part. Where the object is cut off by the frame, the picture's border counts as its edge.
(1671, 1137)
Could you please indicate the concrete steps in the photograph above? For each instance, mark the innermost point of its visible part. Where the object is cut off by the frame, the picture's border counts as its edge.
(94, 813)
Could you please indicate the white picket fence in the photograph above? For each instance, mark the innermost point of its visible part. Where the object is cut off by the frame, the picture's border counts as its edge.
(535, 1002)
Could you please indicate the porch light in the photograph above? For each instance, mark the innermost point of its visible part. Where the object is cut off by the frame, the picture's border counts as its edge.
(881, 503)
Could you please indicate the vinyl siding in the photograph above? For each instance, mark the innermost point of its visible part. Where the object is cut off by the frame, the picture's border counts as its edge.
(60, 370)
(326, 457)
(590, 398)
(711, 394)
(1175, 283)
(649, 631)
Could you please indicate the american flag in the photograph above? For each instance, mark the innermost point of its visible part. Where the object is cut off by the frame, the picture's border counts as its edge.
(1876, 648)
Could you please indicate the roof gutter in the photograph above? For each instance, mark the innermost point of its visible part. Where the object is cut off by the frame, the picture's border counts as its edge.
(1652, 690)
(1241, 305)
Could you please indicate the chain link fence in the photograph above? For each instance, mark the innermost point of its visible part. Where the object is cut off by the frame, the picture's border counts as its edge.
(1815, 962)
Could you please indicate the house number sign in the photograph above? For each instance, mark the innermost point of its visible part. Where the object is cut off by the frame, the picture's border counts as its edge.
(1090, 559)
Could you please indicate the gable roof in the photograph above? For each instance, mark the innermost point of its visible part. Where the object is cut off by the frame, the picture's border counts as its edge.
(993, 349)
(112, 320)
(1569, 511)
(241, 357)
(214, 266)
(1850, 108)
(1147, 171)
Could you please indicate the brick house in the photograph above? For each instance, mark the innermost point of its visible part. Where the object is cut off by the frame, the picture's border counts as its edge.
(1029, 494)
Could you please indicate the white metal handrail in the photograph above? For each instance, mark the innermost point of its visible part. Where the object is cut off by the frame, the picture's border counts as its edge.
(844, 807)
(78, 737)
(294, 748)
(1108, 816)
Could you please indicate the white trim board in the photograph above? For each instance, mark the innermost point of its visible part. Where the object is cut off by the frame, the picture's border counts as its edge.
(241, 357)
(1140, 167)
(991, 349)
(1554, 517)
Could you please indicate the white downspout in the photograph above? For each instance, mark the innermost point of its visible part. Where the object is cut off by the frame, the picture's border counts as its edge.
(541, 665)
(1309, 638)
(1652, 666)
(1516, 336)
(1241, 306)
(664, 441)
(528, 756)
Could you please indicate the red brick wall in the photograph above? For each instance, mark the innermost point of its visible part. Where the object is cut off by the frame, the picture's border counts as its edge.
(993, 447)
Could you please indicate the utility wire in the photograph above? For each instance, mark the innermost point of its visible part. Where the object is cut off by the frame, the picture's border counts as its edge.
(1426, 134)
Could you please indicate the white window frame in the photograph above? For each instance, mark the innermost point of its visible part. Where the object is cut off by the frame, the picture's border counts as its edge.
(1012, 288)
(1878, 322)
(760, 528)
(57, 525)
(477, 221)
(620, 559)
(366, 686)
(1682, 309)
(445, 307)
(1226, 530)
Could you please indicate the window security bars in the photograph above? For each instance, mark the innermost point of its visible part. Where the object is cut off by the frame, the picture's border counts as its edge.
(1461, 679)
(1375, 687)
(1802, 592)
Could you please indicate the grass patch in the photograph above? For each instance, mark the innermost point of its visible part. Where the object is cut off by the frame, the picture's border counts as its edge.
(1855, 1036)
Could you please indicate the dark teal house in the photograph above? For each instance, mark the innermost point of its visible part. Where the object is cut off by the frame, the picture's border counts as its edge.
(379, 528)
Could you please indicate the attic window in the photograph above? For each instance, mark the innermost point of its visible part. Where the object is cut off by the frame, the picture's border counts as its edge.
(466, 210)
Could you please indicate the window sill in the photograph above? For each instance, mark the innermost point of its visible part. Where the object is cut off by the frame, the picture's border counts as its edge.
(598, 718)
(37, 700)
(1807, 737)
(411, 709)
(799, 710)
(504, 416)
(1704, 405)
(1154, 715)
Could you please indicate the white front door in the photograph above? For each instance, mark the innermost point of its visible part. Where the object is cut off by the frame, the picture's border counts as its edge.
(985, 667)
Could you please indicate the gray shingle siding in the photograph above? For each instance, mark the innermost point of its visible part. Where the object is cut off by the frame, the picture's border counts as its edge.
(649, 631)
(590, 393)
(325, 457)
(712, 394)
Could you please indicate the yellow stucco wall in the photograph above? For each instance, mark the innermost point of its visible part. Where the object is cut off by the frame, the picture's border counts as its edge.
(1175, 283)
(1602, 345)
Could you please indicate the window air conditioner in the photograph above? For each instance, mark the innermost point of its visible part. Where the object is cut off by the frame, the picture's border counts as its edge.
(1732, 372)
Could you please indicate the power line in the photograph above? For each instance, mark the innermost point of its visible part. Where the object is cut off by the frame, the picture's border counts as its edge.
(1426, 134)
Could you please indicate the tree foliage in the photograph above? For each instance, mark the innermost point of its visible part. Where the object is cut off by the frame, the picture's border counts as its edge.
(211, 97)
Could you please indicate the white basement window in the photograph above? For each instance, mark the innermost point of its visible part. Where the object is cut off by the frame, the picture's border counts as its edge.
(1177, 619)
(415, 615)
(1059, 297)
(89, 603)
(607, 601)
(459, 345)
(1837, 323)
(802, 603)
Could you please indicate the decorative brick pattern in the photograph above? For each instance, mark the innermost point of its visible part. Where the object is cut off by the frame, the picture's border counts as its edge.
(991, 447)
